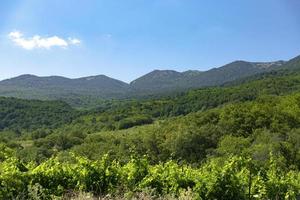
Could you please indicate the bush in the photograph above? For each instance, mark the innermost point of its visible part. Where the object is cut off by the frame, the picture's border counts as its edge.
(231, 178)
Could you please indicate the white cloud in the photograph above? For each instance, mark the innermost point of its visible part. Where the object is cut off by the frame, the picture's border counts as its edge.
(74, 41)
(38, 42)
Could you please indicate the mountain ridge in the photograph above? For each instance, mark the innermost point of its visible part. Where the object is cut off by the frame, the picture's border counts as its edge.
(194, 79)
(155, 70)
(157, 82)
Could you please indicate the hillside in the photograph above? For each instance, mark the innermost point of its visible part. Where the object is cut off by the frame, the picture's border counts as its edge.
(122, 114)
(197, 144)
(239, 137)
(18, 114)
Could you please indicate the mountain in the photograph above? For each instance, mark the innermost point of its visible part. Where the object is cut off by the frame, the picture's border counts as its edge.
(56, 87)
(293, 64)
(42, 141)
(92, 90)
(160, 81)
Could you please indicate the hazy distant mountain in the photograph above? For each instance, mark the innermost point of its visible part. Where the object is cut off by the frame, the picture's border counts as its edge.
(87, 90)
(56, 87)
(167, 80)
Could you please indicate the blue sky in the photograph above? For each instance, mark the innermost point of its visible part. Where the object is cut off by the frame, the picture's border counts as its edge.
(128, 38)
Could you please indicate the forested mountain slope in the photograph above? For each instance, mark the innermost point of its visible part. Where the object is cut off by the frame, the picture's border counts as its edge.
(120, 114)
(18, 114)
(199, 155)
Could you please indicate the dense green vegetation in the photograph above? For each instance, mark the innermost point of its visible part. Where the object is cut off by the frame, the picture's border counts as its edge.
(237, 141)
(20, 114)
(195, 137)
(231, 178)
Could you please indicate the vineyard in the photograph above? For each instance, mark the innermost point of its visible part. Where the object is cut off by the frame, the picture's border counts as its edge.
(231, 178)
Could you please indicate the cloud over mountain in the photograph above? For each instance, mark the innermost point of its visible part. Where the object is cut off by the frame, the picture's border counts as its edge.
(39, 42)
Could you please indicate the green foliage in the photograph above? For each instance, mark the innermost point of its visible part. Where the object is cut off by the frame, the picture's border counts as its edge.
(78, 174)
(20, 114)
(232, 178)
(251, 128)
(13, 178)
(134, 121)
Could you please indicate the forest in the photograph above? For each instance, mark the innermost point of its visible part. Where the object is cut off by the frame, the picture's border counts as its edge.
(238, 141)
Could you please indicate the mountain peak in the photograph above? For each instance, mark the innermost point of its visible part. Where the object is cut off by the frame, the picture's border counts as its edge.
(163, 72)
(192, 72)
(25, 76)
(96, 77)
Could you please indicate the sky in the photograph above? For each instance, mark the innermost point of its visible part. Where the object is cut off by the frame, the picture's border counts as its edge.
(125, 39)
